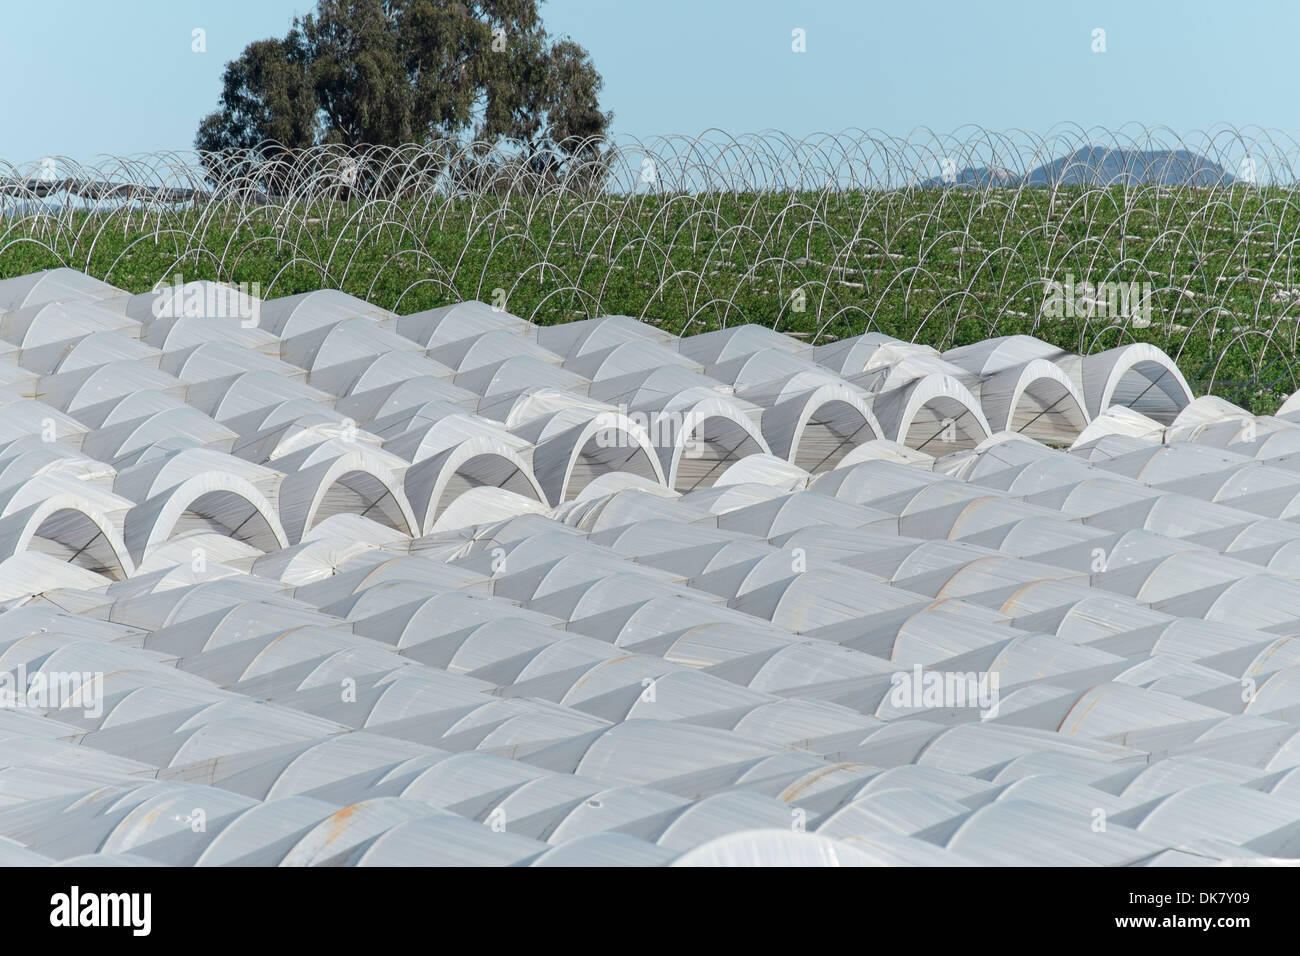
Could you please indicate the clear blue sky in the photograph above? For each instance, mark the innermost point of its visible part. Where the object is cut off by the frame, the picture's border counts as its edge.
(87, 77)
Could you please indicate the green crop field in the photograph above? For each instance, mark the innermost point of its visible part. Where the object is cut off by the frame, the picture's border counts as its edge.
(945, 267)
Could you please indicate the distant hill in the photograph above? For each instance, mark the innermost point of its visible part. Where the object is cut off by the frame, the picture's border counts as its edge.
(1101, 166)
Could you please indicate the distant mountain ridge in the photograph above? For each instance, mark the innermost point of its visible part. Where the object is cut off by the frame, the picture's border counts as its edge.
(1100, 166)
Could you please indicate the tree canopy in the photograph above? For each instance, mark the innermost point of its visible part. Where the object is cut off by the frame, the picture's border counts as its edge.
(392, 72)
